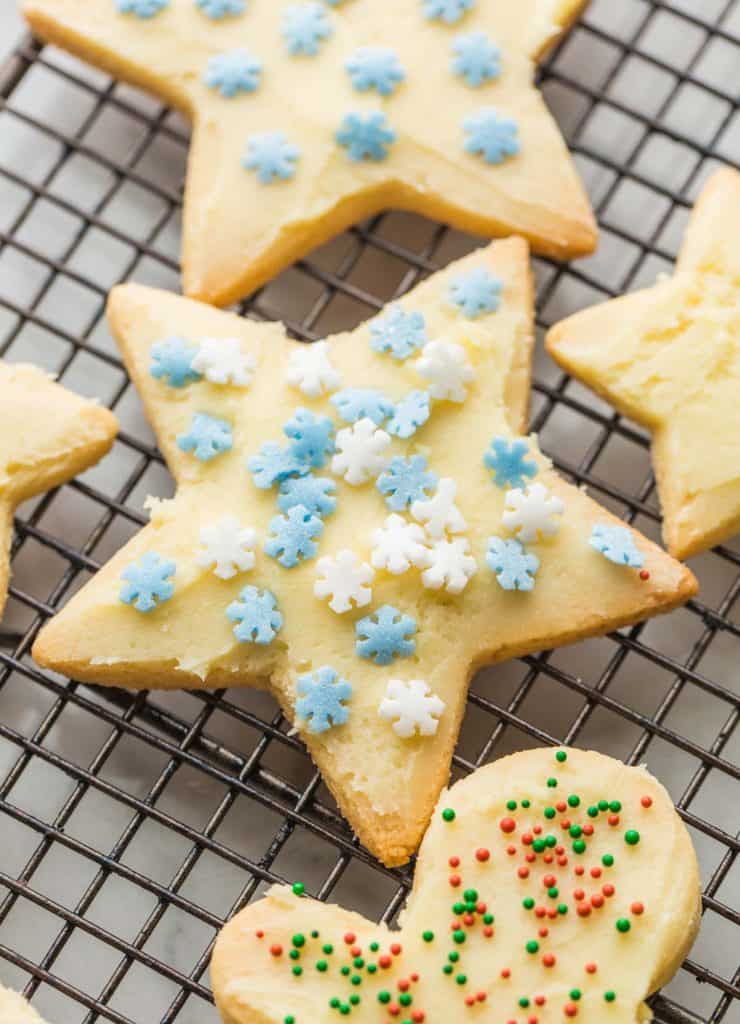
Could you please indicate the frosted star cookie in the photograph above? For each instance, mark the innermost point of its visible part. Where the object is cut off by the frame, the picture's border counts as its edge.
(669, 358)
(47, 436)
(15, 1010)
(311, 116)
(387, 531)
(550, 886)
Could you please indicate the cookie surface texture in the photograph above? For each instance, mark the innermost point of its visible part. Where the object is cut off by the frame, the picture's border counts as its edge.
(310, 117)
(15, 1010)
(511, 918)
(669, 358)
(49, 435)
(357, 526)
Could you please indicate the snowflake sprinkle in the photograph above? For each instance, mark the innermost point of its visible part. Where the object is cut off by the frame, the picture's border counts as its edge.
(310, 370)
(366, 136)
(515, 569)
(206, 438)
(451, 566)
(490, 136)
(477, 59)
(304, 27)
(617, 543)
(385, 635)
(476, 292)
(440, 514)
(444, 365)
(228, 547)
(375, 67)
(345, 580)
(147, 582)
(256, 614)
(398, 333)
(360, 450)
(508, 462)
(413, 707)
(355, 404)
(294, 536)
(272, 156)
(321, 699)
(172, 362)
(314, 493)
(142, 8)
(233, 72)
(405, 481)
(312, 437)
(398, 545)
(218, 9)
(532, 512)
(273, 464)
(448, 11)
(411, 413)
(221, 361)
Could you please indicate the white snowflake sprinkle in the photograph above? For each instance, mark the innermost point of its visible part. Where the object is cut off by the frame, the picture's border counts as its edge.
(532, 512)
(221, 361)
(344, 579)
(228, 547)
(310, 370)
(451, 566)
(398, 545)
(413, 706)
(440, 514)
(444, 365)
(360, 450)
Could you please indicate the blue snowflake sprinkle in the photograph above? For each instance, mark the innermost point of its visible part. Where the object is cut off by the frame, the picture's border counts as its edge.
(411, 413)
(449, 11)
(272, 156)
(477, 59)
(147, 582)
(233, 72)
(399, 333)
(312, 437)
(321, 699)
(355, 404)
(476, 292)
(304, 27)
(293, 536)
(385, 635)
(207, 437)
(405, 481)
(375, 67)
(508, 462)
(142, 8)
(314, 493)
(515, 569)
(617, 543)
(257, 616)
(218, 9)
(491, 137)
(273, 464)
(172, 362)
(366, 136)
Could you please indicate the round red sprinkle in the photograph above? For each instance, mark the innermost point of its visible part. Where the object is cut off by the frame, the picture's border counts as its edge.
(403, 985)
(260, 934)
(481, 907)
(454, 862)
(533, 1020)
(565, 823)
(584, 909)
(511, 850)
(570, 1010)
(540, 911)
(540, 1000)
(561, 805)
(454, 925)
(506, 973)
(530, 857)
(591, 968)
(560, 850)
(480, 997)
(548, 881)
(548, 858)
(647, 801)
(597, 901)
(527, 838)
(488, 931)
(562, 861)
(596, 872)
(637, 908)
(644, 575)
(608, 889)
(455, 881)
(523, 872)
(396, 948)
(578, 894)
(414, 976)
(543, 932)
(394, 1009)
(469, 919)
(385, 961)
(537, 830)
(507, 825)
(355, 951)
(588, 830)
(579, 870)
(470, 1000)
(552, 913)
(276, 949)
(482, 855)
(418, 1016)
(349, 938)
(613, 819)
(549, 960)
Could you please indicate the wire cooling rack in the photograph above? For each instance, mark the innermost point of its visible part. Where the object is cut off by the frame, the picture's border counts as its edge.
(131, 827)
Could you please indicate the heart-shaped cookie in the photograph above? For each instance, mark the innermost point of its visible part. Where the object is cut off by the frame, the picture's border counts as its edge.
(555, 884)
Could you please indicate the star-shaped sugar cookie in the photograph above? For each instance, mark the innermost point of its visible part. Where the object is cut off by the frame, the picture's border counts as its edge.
(551, 886)
(669, 358)
(310, 115)
(47, 436)
(357, 527)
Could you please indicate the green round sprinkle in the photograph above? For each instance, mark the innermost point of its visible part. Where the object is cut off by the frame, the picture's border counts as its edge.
(471, 907)
(511, 805)
(550, 812)
(290, 1019)
(575, 831)
(579, 846)
(314, 935)
(632, 837)
(322, 965)
(623, 925)
(358, 962)
(298, 889)
(562, 908)
(552, 783)
(615, 807)
(607, 860)
(334, 1003)
(344, 1009)
(593, 812)
(405, 999)
(453, 957)
(526, 804)
(458, 936)
(488, 919)
(561, 756)
(374, 947)
(354, 999)
(610, 996)
(298, 941)
(575, 994)
(532, 946)
(524, 1002)
(427, 936)
(297, 970)
(448, 969)
(448, 814)
(327, 948)
(551, 841)
(458, 908)
(356, 979)
(345, 970)
(461, 979)
(553, 893)
(372, 968)
(603, 805)
(384, 997)
(294, 954)
(470, 895)
(528, 903)
(574, 801)
(539, 845)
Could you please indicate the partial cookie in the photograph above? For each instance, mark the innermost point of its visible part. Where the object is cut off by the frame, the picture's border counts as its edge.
(310, 117)
(669, 357)
(357, 527)
(15, 1010)
(47, 436)
(552, 885)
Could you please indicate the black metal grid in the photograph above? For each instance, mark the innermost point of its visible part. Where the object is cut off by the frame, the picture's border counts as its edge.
(655, 692)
